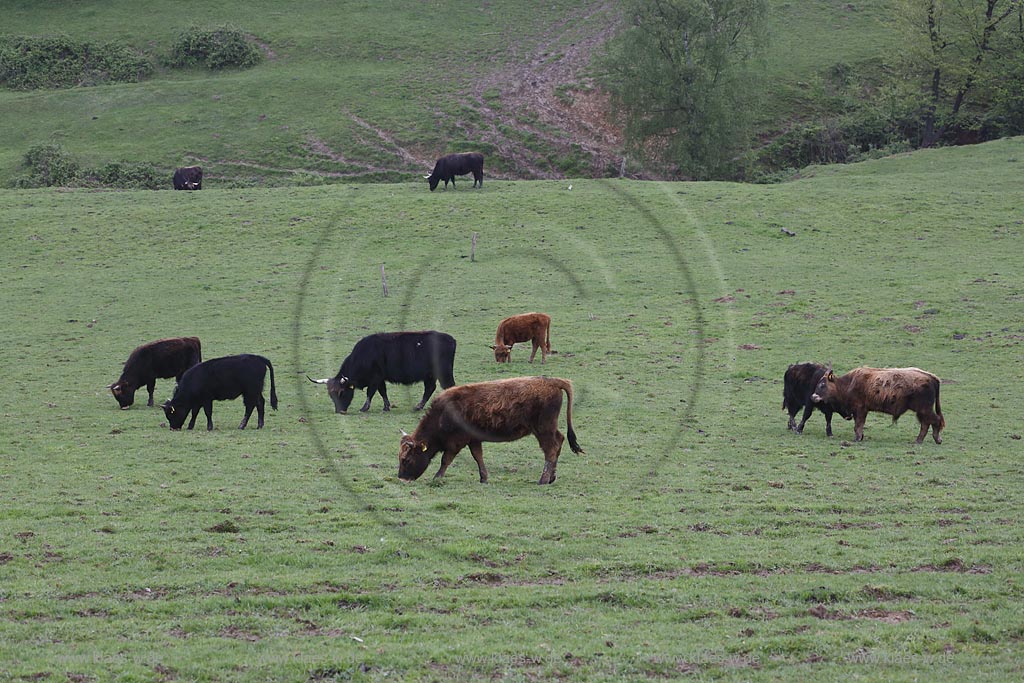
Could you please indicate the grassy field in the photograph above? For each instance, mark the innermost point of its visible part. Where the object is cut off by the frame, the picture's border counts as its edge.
(368, 91)
(696, 539)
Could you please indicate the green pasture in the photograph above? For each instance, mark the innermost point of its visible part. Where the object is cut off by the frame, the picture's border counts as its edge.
(696, 539)
(367, 91)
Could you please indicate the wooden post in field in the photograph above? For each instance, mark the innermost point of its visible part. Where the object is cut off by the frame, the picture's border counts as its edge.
(622, 168)
(383, 279)
(472, 249)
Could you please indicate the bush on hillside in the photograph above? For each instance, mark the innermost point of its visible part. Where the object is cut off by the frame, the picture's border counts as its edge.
(50, 165)
(219, 47)
(127, 176)
(32, 62)
(47, 165)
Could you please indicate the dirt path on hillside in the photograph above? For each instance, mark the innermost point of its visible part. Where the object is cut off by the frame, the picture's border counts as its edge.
(547, 93)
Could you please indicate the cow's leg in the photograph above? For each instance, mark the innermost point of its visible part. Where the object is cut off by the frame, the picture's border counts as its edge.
(151, 387)
(858, 426)
(382, 389)
(208, 409)
(371, 389)
(808, 409)
(477, 449)
(925, 424)
(534, 352)
(260, 408)
(248, 413)
(551, 444)
(828, 422)
(195, 414)
(792, 420)
(429, 385)
(446, 460)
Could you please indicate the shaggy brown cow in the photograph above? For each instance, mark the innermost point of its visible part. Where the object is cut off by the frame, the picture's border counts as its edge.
(533, 327)
(893, 391)
(159, 359)
(501, 410)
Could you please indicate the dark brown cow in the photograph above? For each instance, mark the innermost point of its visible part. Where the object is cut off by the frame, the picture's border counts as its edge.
(188, 178)
(893, 391)
(532, 327)
(501, 410)
(798, 385)
(159, 359)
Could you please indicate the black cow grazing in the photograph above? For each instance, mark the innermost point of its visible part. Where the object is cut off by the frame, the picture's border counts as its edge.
(221, 379)
(447, 167)
(799, 383)
(188, 178)
(159, 359)
(396, 357)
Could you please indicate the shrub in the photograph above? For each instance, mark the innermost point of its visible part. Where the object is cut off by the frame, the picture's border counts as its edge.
(49, 164)
(214, 48)
(32, 62)
(128, 176)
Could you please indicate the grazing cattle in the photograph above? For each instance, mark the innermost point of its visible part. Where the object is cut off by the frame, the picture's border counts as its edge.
(799, 384)
(447, 167)
(501, 410)
(159, 359)
(533, 327)
(893, 391)
(188, 178)
(221, 379)
(396, 357)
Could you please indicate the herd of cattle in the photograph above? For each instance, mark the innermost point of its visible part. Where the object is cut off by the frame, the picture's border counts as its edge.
(501, 410)
(468, 415)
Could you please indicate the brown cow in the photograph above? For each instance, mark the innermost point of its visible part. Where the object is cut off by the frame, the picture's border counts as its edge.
(158, 359)
(533, 327)
(500, 410)
(893, 391)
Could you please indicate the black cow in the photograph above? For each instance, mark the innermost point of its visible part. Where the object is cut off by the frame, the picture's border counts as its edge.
(159, 359)
(447, 167)
(188, 178)
(221, 379)
(799, 383)
(396, 357)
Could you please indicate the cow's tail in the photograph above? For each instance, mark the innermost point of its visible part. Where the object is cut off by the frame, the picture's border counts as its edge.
(938, 406)
(273, 389)
(547, 339)
(566, 386)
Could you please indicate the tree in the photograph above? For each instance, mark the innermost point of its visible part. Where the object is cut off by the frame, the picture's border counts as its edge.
(955, 51)
(680, 75)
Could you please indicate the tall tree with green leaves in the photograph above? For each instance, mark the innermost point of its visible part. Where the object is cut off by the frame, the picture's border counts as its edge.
(956, 51)
(681, 75)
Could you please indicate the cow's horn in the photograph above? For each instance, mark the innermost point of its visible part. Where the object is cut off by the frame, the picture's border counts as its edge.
(318, 381)
(427, 177)
(404, 433)
(340, 379)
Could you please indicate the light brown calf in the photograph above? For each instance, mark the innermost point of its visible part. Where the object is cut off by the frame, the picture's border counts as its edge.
(532, 327)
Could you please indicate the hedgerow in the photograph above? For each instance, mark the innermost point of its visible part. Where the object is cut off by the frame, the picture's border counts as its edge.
(59, 61)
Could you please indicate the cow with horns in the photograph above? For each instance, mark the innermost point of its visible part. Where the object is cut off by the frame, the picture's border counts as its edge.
(893, 391)
(188, 178)
(155, 360)
(396, 357)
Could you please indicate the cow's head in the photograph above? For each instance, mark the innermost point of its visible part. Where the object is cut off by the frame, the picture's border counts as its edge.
(124, 393)
(502, 353)
(826, 388)
(340, 389)
(175, 414)
(432, 180)
(191, 185)
(414, 457)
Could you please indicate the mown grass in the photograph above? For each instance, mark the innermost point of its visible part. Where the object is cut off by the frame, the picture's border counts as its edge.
(697, 538)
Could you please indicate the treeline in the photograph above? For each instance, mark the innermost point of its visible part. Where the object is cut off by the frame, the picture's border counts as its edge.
(60, 61)
(684, 75)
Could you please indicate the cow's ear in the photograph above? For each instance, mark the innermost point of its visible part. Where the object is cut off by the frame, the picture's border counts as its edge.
(831, 376)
